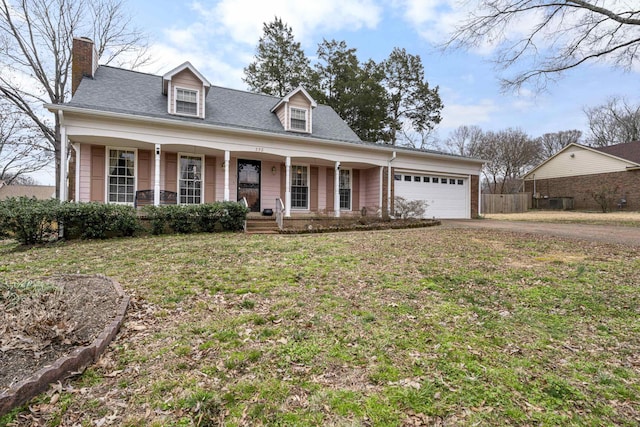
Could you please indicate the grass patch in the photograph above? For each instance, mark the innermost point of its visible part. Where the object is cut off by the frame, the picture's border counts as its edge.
(412, 327)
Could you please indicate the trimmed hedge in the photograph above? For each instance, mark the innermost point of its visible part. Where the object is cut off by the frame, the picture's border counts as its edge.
(208, 217)
(28, 220)
(97, 220)
(32, 221)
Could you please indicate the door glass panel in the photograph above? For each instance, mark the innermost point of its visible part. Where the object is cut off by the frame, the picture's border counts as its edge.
(249, 183)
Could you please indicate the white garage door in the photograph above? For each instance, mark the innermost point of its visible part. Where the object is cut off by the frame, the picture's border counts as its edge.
(446, 197)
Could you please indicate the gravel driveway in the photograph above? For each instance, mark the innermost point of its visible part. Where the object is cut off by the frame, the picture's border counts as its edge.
(629, 236)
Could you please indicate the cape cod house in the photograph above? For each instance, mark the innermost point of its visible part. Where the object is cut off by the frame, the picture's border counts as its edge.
(176, 138)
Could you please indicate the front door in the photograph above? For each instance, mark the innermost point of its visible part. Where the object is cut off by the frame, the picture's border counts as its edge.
(249, 183)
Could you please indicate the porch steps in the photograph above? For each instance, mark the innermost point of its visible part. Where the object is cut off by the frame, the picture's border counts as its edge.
(261, 225)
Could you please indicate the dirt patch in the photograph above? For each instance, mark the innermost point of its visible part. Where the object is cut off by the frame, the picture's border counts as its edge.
(554, 216)
(604, 233)
(62, 314)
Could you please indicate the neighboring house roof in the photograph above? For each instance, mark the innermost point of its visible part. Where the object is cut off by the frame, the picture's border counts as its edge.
(129, 92)
(40, 192)
(607, 161)
(628, 151)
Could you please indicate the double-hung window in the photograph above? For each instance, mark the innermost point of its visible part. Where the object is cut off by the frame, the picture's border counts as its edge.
(299, 119)
(190, 182)
(345, 189)
(187, 102)
(121, 177)
(299, 187)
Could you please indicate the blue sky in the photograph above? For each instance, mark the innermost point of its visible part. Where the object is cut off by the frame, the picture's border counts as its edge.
(219, 38)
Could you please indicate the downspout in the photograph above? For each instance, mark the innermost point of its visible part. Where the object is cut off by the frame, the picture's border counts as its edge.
(389, 181)
(534, 190)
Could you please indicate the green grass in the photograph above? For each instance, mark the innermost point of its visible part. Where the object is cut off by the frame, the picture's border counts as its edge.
(450, 326)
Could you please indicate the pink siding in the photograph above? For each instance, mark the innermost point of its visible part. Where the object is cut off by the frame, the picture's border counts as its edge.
(322, 188)
(85, 173)
(270, 185)
(370, 189)
(299, 100)
(233, 178)
(280, 113)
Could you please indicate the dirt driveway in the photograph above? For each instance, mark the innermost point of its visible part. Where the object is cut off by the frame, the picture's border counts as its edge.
(629, 236)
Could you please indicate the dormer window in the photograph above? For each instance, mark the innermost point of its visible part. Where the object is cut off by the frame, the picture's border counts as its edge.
(299, 119)
(295, 111)
(186, 90)
(187, 102)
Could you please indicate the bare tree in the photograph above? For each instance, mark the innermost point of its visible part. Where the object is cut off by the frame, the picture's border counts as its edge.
(35, 40)
(20, 152)
(464, 140)
(509, 153)
(615, 122)
(551, 143)
(543, 38)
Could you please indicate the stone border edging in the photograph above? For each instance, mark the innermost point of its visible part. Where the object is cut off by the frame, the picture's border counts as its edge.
(79, 359)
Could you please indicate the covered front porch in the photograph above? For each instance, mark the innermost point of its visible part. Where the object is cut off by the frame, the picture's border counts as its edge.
(142, 173)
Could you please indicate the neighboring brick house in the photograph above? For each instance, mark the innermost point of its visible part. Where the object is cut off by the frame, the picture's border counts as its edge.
(133, 134)
(577, 171)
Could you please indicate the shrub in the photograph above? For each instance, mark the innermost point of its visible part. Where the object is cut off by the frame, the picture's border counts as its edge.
(605, 197)
(233, 216)
(97, 220)
(409, 208)
(28, 220)
(206, 217)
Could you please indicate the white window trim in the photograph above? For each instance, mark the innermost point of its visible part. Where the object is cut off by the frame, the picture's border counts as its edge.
(350, 170)
(202, 189)
(175, 101)
(306, 119)
(308, 166)
(106, 173)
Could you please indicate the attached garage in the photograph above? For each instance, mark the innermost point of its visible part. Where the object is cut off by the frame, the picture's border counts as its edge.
(447, 196)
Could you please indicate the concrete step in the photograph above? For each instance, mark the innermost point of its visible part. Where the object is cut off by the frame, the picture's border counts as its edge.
(261, 226)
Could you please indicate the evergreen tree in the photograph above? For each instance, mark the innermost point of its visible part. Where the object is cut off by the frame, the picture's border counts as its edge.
(280, 64)
(411, 102)
(353, 91)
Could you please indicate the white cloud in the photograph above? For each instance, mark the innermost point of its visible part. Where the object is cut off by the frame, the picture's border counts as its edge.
(455, 115)
(242, 20)
(436, 20)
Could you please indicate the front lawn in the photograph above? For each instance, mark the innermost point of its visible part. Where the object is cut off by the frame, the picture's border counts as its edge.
(402, 327)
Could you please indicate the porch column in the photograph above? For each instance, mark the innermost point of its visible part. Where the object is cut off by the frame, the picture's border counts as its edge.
(287, 188)
(381, 190)
(62, 195)
(156, 178)
(76, 148)
(227, 158)
(336, 191)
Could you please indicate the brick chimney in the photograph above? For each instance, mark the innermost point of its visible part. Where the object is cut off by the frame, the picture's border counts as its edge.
(84, 61)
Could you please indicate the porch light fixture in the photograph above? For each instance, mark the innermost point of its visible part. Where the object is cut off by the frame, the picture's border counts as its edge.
(299, 171)
(273, 170)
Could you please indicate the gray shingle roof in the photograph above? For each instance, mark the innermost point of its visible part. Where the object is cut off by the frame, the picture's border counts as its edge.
(129, 92)
(628, 151)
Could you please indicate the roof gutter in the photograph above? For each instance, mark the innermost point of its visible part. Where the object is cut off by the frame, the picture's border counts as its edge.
(250, 132)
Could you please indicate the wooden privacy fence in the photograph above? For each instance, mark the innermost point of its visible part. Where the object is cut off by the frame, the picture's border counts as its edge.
(506, 203)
